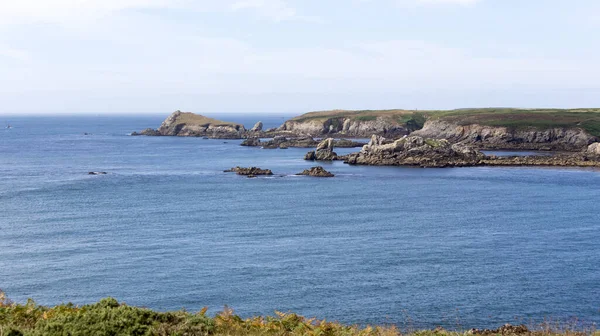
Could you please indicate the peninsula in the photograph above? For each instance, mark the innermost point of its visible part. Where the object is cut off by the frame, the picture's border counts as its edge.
(483, 128)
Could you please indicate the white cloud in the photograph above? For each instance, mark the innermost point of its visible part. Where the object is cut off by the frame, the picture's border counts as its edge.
(84, 11)
(437, 2)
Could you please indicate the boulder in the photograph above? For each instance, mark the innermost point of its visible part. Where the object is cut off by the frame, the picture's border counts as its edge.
(257, 127)
(316, 172)
(593, 149)
(310, 156)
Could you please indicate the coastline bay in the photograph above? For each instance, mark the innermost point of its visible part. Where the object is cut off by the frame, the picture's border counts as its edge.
(167, 229)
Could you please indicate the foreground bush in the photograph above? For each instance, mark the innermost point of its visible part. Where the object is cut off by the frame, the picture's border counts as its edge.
(109, 317)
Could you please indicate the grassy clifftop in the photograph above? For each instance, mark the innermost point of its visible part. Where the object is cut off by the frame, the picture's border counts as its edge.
(411, 118)
(189, 118)
(587, 119)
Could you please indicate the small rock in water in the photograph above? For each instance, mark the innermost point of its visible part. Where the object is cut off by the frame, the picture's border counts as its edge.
(97, 173)
(316, 172)
(250, 171)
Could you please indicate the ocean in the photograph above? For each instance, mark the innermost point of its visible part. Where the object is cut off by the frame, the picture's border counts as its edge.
(167, 229)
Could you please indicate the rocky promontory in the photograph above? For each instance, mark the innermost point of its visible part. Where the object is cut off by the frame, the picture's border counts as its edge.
(190, 124)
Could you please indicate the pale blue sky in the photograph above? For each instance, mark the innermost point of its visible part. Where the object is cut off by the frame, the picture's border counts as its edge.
(137, 56)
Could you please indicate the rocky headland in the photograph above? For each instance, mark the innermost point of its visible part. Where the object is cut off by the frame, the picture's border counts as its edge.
(488, 128)
(190, 124)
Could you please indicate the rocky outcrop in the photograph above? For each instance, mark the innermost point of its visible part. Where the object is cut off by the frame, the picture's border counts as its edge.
(415, 151)
(190, 124)
(251, 142)
(148, 132)
(316, 172)
(250, 171)
(346, 126)
(257, 127)
(421, 152)
(490, 137)
(324, 151)
(593, 149)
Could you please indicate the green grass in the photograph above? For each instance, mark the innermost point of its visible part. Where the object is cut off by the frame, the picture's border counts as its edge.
(544, 118)
(366, 118)
(109, 317)
(587, 119)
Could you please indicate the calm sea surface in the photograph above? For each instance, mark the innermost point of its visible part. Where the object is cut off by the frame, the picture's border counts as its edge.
(167, 229)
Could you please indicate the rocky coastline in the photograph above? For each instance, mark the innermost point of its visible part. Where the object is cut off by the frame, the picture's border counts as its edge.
(411, 138)
(422, 152)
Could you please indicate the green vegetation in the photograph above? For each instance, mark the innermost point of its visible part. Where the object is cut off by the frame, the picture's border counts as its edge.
(366, 118)
(587, 119)
(109, 317)
(189, 118)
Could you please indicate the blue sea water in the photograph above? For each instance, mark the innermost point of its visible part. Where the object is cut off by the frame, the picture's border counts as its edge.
(167, 229)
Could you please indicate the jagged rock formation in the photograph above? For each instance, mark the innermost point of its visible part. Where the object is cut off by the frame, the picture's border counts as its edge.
(415, 151)
(257, 127)
(250, 171)
(346, 126)
(316, 172)
(420, 152)
(490, 137)
(324, 151)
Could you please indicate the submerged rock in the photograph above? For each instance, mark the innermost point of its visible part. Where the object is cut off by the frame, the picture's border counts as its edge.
(250, 171)
(316, 172)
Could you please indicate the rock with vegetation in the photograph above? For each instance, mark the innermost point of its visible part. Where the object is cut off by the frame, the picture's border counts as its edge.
(390, 123)
(316, 172)
(249, 171)
(190, 124)
(533, 129)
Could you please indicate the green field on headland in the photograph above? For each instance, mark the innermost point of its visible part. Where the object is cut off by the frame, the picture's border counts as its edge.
(585, 118)
(109, 317)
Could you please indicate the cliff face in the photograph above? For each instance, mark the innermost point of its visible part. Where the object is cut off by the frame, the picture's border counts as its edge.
(491, 137)
(346, 126)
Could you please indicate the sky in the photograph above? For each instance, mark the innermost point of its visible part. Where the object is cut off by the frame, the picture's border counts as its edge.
(157, 56)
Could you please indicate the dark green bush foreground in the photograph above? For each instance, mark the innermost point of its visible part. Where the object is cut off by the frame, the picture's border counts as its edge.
(109, 317)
